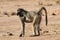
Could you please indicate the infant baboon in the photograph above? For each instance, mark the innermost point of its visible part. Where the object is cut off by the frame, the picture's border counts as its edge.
(29, 17)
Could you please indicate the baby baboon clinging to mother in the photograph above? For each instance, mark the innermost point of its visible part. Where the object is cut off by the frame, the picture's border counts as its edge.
(29, 17)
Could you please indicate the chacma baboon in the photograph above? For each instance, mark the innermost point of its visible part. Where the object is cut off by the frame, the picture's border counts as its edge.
(29, 17)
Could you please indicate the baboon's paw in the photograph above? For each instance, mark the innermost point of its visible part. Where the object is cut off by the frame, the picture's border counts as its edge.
(34, 35)
(21, 35)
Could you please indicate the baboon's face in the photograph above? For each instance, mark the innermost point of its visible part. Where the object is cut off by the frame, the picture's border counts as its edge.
(21, 12)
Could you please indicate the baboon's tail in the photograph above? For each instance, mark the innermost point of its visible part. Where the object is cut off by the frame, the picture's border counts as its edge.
(43, 8)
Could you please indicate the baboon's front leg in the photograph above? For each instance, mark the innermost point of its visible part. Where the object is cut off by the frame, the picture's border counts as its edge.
(23, 28)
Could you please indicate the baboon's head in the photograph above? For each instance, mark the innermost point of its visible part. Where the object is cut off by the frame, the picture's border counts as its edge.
(21, 12)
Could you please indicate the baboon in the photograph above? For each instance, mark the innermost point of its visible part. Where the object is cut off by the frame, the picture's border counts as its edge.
(29, 17)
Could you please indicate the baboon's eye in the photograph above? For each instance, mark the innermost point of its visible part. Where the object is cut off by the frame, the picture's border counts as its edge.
(21, 15)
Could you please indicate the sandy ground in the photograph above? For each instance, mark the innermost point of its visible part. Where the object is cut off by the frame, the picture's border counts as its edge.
(13, 24)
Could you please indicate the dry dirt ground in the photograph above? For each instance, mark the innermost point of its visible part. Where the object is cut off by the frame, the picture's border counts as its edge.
(13, 25)
(10, 27)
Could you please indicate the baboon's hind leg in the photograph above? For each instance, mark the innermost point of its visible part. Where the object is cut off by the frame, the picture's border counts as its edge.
(36, 30)
(36, 25)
